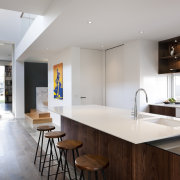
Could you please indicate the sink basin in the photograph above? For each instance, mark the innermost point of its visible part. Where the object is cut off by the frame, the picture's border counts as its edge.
(165, 122)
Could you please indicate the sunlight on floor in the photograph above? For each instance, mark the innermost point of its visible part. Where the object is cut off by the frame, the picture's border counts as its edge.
(5, 111)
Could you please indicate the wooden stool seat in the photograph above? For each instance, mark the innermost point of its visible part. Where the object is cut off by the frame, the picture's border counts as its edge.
(91, 162)
(55, 134)
(45, 128)
(69, 144)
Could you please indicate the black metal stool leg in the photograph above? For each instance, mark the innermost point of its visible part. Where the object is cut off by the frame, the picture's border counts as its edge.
(45, 157)
(77, 152)
(61, 159)
(37, 147)
(57, 171)
(50, 157)
(41, 150)
(74, 165)
(66, 164)
(81, 175)
(96, 175)
(60, 152)
(55, 149)
(104, 177)
(89, 175)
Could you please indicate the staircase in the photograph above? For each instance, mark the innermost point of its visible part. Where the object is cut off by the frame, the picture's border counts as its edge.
(38, 117)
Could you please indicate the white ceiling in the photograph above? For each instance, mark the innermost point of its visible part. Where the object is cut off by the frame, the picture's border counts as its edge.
(12, 29)
(29, 6)
(113, 22)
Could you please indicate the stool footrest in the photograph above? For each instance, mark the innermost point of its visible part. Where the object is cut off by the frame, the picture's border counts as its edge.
(51, 160)
(44, 155)
(51, 165)
(58, 173)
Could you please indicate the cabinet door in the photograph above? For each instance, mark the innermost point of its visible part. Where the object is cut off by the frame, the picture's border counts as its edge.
(169, 111)
(161, 110)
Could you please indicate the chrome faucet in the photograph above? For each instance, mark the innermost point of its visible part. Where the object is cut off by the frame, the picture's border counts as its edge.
(135, 102)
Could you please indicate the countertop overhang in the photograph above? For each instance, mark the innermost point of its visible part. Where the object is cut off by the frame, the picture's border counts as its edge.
(118, 122)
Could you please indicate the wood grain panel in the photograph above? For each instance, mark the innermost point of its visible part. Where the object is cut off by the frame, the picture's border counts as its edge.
(167, 111)
(174, 162)
(96, 142)
(150, 163)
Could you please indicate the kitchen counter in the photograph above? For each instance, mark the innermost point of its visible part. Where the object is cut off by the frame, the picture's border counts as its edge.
(113, 133)
(167, 105)
(119, 123)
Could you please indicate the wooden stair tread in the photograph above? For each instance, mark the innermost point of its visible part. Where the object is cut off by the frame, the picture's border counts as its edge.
(39, 117)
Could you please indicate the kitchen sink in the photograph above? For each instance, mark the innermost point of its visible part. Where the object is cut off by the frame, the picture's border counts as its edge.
(165, 122)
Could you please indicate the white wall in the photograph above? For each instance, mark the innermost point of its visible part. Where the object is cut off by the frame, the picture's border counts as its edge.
(133, 66)
(82, 76)
(17, 88)
(156, 85)
(65, 57)
(75, 60)
(92, 76)
(122, 75)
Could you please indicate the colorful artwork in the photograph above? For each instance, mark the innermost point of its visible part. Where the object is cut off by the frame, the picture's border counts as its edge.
(58, 81)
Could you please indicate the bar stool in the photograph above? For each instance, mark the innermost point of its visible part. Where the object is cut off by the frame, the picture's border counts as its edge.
(91, 163)
(42, 129)
(51, 136)
(65, 146)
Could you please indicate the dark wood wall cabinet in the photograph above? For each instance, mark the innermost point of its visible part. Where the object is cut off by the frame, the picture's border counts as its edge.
(162, 110)
(127, 161)
(36, 75)
(169, 56)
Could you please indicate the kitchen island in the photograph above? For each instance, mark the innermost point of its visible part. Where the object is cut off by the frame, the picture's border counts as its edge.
(113, 133)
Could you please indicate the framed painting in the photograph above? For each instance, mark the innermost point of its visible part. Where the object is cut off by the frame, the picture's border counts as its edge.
(58, 81)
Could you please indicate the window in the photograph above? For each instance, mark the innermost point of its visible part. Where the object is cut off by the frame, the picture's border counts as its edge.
(176, 86)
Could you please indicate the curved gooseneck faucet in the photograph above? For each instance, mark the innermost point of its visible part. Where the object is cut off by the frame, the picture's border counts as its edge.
(135, 102)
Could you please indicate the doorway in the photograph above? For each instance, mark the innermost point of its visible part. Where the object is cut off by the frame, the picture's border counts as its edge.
(5, 89)
(2, 84)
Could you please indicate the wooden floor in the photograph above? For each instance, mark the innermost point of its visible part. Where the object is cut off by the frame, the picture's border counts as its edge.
(17, 150)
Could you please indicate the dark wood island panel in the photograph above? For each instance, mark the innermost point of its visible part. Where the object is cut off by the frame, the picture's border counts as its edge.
(162, 110)
(127, 160)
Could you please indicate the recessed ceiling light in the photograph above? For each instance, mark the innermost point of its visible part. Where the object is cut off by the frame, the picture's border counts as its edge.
(89, 22)
(46, 48)
(141, 32)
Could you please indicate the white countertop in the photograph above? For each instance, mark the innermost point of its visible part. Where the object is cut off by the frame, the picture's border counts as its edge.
(118, 122)
(167, 105)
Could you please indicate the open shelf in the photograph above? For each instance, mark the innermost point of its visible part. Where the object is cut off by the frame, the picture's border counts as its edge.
(174, 57)
(168, 63)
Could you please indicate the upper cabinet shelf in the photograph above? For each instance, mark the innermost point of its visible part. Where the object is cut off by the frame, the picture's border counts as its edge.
(174, 57)
(169, 56)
